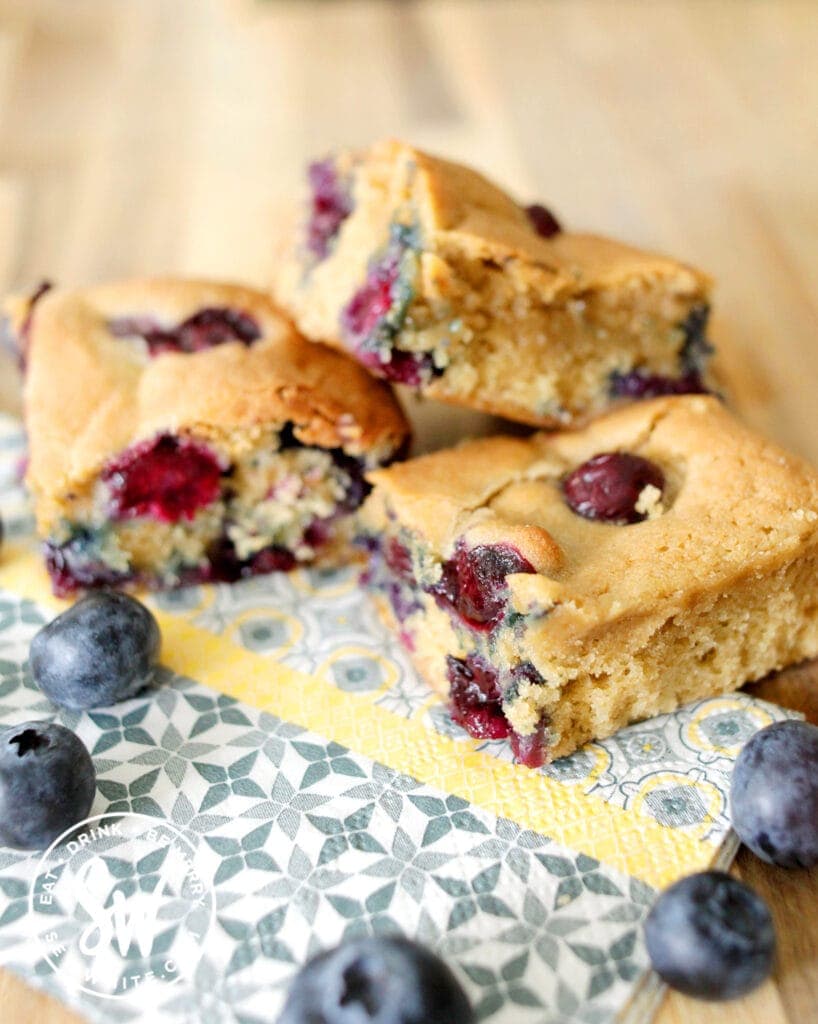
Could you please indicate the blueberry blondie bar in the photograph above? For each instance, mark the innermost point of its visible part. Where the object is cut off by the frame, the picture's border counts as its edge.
(558, 587)
(433, 277)
(182, 431)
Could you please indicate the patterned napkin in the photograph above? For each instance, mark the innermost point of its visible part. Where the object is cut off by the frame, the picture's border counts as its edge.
(323, 792)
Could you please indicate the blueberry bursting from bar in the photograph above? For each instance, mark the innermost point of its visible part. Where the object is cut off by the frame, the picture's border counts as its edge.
(204, 329)
(693, 356)
(214, 521)
(330, 205)
(471, 588)
(373, 320)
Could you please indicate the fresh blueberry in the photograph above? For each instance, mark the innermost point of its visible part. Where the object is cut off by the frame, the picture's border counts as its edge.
(376, 981)
(774, 794)
(710, 936)
(47, 784)
(102, 650)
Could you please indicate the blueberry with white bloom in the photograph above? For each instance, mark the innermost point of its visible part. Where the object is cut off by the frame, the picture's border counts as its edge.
(710, 936)
(774, 794)
(102, 650)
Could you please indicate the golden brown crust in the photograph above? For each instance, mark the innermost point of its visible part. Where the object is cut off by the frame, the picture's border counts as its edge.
(459, 202)
(735, 503)
(491, 295)
(456, 200)
(89, 395)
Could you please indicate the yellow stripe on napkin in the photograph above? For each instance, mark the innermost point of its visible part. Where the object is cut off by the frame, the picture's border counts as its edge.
(629, 841)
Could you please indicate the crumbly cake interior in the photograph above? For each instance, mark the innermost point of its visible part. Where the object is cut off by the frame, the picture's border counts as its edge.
(550, 628)
(178, 510)
(433, 277)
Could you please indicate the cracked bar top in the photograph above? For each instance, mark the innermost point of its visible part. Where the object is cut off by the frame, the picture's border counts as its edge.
(729, 505)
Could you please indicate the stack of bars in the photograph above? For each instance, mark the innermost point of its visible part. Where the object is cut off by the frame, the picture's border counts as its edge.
(642, 550)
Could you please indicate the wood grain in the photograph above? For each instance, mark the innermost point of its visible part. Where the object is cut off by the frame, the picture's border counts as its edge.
(160, 135)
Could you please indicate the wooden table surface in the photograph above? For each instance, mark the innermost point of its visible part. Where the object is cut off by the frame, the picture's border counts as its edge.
(158, 135)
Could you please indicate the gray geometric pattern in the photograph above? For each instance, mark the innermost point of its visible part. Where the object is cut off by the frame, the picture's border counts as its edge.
(310, 842)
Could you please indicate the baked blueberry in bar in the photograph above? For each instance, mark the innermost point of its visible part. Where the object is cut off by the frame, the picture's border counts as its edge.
(182, 431)
(433, 277)
(560, 586)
